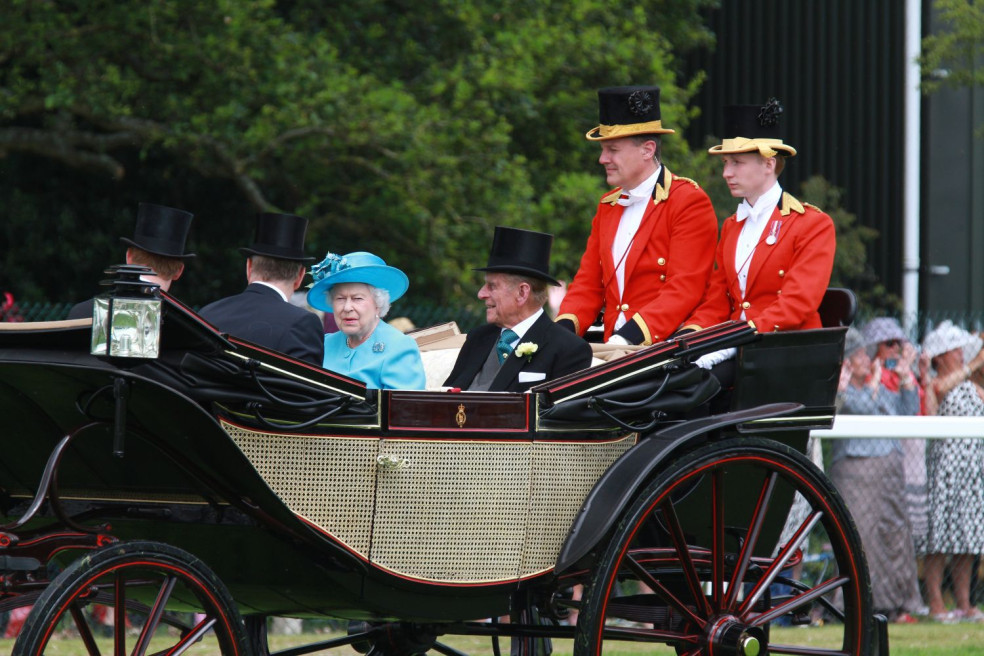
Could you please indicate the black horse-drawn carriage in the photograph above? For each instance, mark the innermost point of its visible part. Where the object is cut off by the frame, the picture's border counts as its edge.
(198, 492)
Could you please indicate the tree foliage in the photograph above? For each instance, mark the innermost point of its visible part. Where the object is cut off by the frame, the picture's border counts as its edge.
(407, 128)
(851, 267)
(952, 56)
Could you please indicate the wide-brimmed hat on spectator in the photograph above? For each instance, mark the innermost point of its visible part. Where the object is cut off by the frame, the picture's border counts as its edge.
(359, 266)
(883, 329)
(947, 337)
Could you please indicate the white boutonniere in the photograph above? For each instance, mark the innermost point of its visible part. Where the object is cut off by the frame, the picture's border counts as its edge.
(526, 350)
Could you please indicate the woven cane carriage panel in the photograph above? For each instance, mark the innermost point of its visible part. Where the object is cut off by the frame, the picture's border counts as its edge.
(563, 474)
(327, 480)
(452, 511)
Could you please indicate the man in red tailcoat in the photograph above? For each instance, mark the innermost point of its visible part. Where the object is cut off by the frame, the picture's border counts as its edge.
(651, 247)
(775, 255)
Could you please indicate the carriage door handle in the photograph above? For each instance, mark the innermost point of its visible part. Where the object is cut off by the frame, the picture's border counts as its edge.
(391, 461)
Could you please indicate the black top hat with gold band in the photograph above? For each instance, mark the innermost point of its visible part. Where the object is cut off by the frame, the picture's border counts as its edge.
(161, 230)
(753, 128)
(522, 252)
(280, 236)
(626, 112)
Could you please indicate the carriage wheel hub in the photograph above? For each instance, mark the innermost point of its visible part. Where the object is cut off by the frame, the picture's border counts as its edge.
(729, 636)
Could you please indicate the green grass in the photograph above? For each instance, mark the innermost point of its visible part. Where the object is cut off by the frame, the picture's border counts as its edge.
(926, 639)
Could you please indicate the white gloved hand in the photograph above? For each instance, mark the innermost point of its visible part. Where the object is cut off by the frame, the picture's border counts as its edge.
(717, 357)
(618, 340)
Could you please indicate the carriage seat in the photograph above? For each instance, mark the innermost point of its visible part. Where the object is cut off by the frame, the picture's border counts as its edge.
(439, 346)
(838, 307)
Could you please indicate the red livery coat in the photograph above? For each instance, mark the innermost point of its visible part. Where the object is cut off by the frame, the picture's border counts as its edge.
(786, 280)
(666, 270)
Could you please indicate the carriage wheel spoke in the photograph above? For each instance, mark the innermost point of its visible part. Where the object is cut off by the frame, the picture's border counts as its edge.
(683, 551)
(799, 600)
(84, 631)
(154, 616)
(780, 562)
(717, 537)
(119, 615)
(648, 635)
(751, 539)
(805, 651)
(662, 591)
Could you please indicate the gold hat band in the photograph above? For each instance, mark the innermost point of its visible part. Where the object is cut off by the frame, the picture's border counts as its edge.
(766, 147)
(616, 131)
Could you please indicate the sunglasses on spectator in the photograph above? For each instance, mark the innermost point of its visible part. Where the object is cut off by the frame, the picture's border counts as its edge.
(891, 343)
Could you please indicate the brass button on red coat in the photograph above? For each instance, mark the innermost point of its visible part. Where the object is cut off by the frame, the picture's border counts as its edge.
(782, 273)
(661, 261)
(662, 278)
(624, 307)
(746, 305)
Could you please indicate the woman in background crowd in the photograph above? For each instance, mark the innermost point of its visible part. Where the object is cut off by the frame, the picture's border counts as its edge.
(955, 474)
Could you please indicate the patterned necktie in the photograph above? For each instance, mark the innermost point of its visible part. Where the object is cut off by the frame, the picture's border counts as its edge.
(504, 346)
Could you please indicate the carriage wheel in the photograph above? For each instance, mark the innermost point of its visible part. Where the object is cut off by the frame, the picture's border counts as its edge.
(705, 561)
(168, 600)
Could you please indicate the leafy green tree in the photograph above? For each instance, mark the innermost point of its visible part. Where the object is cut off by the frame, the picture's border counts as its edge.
(851, 268)
(407, 128)
(952, 55)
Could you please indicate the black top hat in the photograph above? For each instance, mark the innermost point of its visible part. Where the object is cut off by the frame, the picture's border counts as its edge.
(280, 236)
(522, 252)
(161, 230)
(749, 128)
(627, 111)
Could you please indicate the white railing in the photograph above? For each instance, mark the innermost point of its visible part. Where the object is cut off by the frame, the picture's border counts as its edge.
(880, 427)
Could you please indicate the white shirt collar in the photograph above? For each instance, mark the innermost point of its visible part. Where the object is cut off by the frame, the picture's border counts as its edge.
(645, 190)
(524, 325)
(273, 287)
(763, 206)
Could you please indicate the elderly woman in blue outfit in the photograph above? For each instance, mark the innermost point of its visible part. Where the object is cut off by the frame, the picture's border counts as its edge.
(358, 289)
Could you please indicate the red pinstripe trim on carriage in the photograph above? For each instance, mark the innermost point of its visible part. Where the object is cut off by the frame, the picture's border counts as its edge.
(406, 577)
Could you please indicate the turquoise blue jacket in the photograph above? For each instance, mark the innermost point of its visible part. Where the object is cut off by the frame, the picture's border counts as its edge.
(387, 360)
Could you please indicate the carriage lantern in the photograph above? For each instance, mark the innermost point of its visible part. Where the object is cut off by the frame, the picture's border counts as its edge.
(126, 321)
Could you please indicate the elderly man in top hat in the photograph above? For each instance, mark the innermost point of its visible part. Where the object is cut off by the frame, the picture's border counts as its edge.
(650, 251)
(520, 346)
(775, 255)
(159, 243)
(275, 267)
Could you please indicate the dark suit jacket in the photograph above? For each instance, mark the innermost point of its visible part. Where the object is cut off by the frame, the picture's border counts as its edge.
(81, 310)
(559, 352)
(261, 316)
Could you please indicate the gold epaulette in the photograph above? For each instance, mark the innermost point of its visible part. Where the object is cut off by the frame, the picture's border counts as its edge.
(612, 197)
(812, 207)
(680, 177)
(789, 203)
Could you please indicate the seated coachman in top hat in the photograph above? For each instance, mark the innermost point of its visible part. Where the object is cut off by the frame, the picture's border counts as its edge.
(275, 268)
(158, 243)
(520, 346)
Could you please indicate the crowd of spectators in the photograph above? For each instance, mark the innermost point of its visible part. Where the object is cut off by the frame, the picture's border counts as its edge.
(918, 504)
